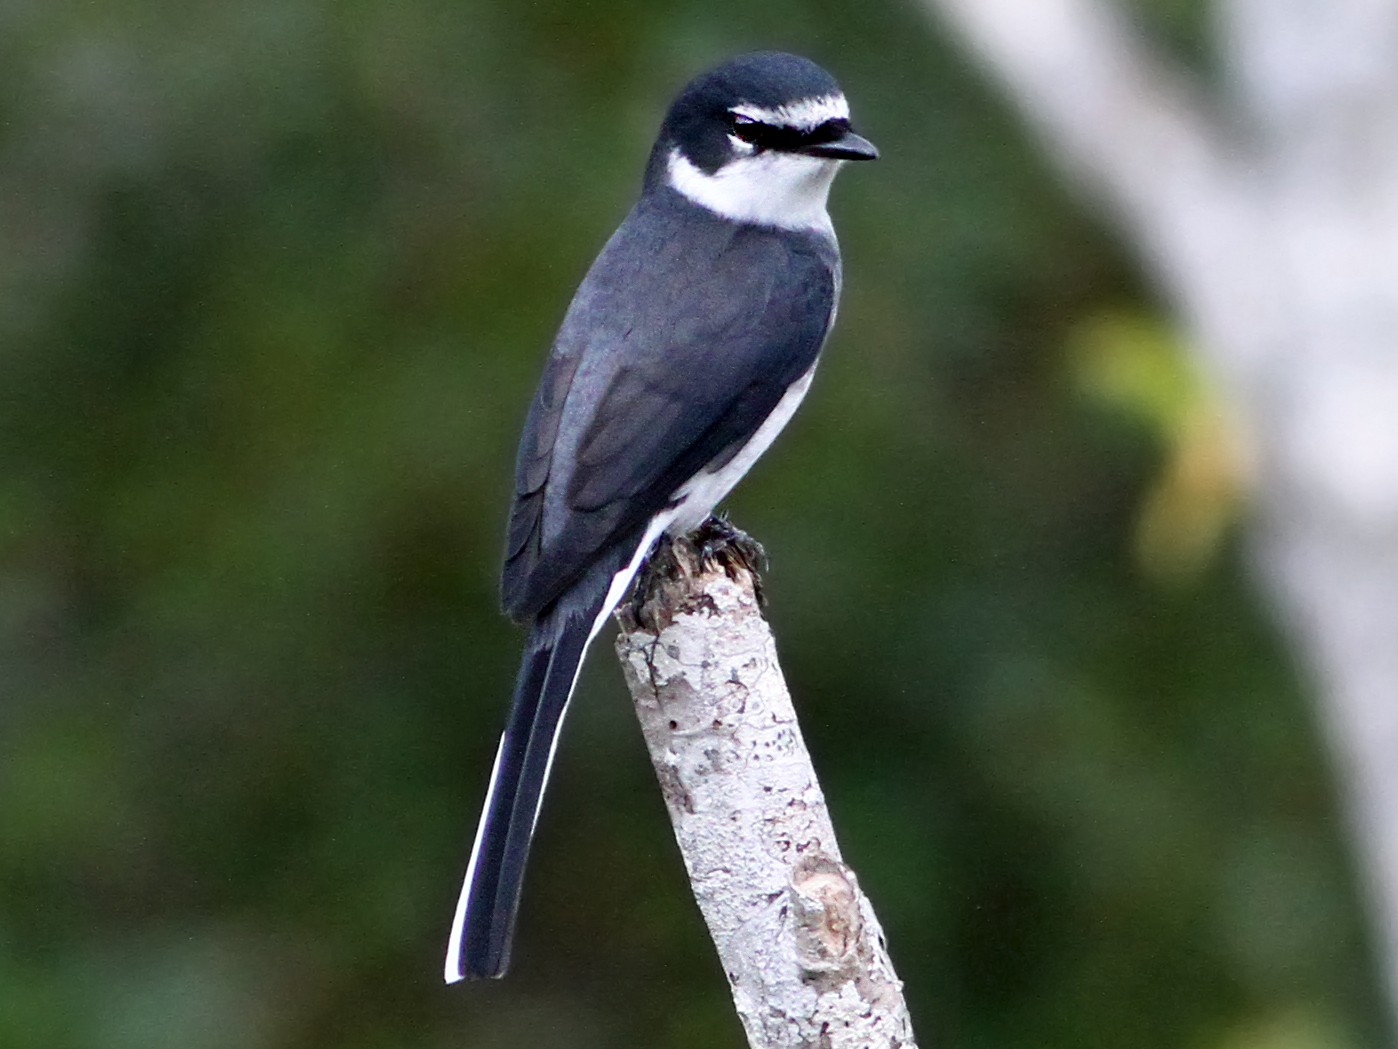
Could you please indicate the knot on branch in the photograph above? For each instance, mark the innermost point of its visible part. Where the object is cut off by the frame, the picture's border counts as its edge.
(825, 904)
(834, 942)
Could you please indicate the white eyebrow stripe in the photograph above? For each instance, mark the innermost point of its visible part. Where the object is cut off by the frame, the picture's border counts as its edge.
(806, 114)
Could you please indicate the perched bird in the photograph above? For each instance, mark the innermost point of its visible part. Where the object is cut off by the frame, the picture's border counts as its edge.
(687, 348)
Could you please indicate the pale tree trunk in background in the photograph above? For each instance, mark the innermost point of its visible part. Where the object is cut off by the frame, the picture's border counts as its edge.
(1269, 214)
(798, 940)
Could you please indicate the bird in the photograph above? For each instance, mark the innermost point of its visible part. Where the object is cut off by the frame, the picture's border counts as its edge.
(686, 349)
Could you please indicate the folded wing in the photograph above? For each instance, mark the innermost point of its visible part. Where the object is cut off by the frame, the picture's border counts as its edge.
(625, 416)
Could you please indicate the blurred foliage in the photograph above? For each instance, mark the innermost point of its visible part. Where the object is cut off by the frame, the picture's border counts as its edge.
(276, 283)
(1138, 366)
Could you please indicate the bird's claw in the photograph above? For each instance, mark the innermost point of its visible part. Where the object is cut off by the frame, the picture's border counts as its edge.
(721, 544)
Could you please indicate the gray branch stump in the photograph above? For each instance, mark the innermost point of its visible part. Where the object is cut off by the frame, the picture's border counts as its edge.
(798, 940)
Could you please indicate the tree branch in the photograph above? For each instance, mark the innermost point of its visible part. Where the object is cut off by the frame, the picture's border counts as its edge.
(1139, 135)
(1278, 246)
(1306, 71)
(1108, 103)
(798, 940)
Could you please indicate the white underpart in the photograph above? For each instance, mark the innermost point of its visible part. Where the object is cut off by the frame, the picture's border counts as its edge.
(694, 501)
(769, 189)
(702, 492)
(806, 114)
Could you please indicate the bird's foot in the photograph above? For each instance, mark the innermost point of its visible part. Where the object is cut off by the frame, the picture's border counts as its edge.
(658, 591)
(721, 544)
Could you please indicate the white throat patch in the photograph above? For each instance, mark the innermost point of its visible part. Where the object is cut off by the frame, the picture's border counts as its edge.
(788, 190)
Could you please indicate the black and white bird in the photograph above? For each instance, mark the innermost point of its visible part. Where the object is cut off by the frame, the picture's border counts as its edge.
(686, 349)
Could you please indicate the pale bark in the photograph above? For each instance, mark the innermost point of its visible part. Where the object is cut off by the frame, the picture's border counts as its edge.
(1269, 215)
(798, 940)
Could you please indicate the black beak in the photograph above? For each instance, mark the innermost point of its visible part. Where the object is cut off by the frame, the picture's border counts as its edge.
(848, 146)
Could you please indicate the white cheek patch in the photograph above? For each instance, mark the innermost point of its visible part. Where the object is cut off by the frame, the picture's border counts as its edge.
(806, 114)
(788, 190)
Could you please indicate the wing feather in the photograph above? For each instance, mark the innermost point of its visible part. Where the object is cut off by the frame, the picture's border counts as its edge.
(620, 423)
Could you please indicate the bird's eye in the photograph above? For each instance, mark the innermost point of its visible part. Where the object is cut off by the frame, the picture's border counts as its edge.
(746, 128)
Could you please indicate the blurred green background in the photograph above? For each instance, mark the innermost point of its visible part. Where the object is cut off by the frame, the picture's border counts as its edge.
(276, 281)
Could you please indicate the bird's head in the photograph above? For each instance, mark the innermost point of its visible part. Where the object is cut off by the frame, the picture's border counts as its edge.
(758, 139)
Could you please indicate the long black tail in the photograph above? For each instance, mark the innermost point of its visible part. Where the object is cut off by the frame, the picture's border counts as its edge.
(485, 913)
